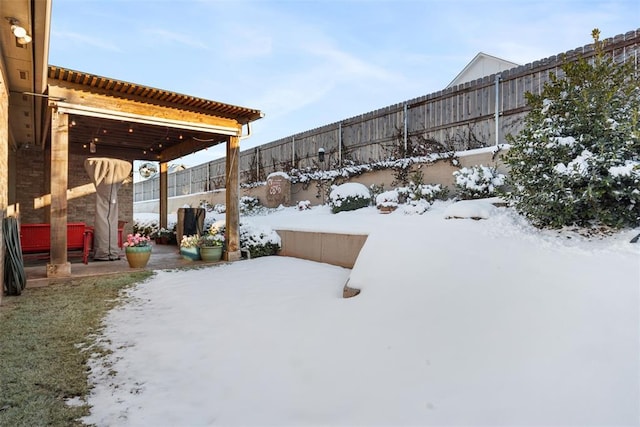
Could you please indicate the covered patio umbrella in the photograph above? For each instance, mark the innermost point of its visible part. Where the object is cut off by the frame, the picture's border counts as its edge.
(107, 175)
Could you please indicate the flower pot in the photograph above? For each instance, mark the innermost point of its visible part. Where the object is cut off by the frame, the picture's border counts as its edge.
(190, 254)
(385, 209)
(211, 253)
(137, 256)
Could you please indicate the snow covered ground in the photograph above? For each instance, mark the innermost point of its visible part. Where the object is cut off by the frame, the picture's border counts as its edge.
(488, 322)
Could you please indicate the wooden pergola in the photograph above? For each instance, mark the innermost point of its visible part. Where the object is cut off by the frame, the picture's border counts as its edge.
(86, 113)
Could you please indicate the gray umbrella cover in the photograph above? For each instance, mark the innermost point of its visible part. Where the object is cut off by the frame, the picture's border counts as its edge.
(107, 175)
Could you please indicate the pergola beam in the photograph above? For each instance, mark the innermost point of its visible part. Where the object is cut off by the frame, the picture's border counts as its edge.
(188, 147)
(145, 115)
(78, 101)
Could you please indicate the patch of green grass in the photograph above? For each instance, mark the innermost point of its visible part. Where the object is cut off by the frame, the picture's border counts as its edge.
(42, 333)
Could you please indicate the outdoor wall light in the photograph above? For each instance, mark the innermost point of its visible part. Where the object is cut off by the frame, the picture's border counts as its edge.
(19, 32)
(321, 155)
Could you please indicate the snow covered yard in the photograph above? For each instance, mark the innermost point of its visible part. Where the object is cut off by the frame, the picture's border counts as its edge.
(459, 322)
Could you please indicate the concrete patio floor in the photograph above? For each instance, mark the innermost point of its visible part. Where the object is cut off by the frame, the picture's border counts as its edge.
(163, 257)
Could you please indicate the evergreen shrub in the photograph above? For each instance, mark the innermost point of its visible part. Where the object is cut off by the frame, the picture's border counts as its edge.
(349, 197)
(577, 159)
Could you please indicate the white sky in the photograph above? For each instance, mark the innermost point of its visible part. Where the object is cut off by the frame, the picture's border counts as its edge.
(306, 64)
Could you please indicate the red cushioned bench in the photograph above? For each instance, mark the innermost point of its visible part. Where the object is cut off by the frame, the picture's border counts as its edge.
(35, 240)
(121, 225)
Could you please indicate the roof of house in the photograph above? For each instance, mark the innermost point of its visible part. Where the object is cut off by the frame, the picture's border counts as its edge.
(480, 66)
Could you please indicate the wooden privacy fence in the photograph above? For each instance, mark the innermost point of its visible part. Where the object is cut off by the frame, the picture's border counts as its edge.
(460, 117)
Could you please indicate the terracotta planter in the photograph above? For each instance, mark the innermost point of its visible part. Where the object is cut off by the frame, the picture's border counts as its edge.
(211, 253)
(190, 254)
(138, 256)
(387, 209)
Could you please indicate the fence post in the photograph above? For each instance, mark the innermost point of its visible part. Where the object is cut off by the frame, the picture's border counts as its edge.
(404, 130)
(497, 113)
(340, 144)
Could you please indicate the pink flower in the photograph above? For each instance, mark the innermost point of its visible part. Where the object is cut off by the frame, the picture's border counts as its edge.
(136, 240)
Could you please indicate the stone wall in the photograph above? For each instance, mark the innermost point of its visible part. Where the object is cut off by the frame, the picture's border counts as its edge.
(440, 172)
(331, 248)
(33, 182)
(30, 183)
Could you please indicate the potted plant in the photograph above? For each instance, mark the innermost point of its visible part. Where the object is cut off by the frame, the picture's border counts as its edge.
(164, 236)
(189, 248)
(137, 249)
(211, 244)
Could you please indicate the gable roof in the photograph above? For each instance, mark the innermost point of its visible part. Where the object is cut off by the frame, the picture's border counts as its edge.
(480, 66)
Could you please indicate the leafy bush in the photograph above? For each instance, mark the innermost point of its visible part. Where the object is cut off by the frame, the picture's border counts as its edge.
(577, 160)
(149, 229)
(478, 182)
(217, 208)
(249, 205)
(415, 198)
(416, 207)
(387, 199)
(189, 241)
(258, 240)
(426, 192)
(213, 236)
(349, 197)
(375, 190)
(303, 205)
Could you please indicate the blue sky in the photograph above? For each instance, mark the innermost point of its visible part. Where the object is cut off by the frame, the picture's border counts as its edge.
(310, 63)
